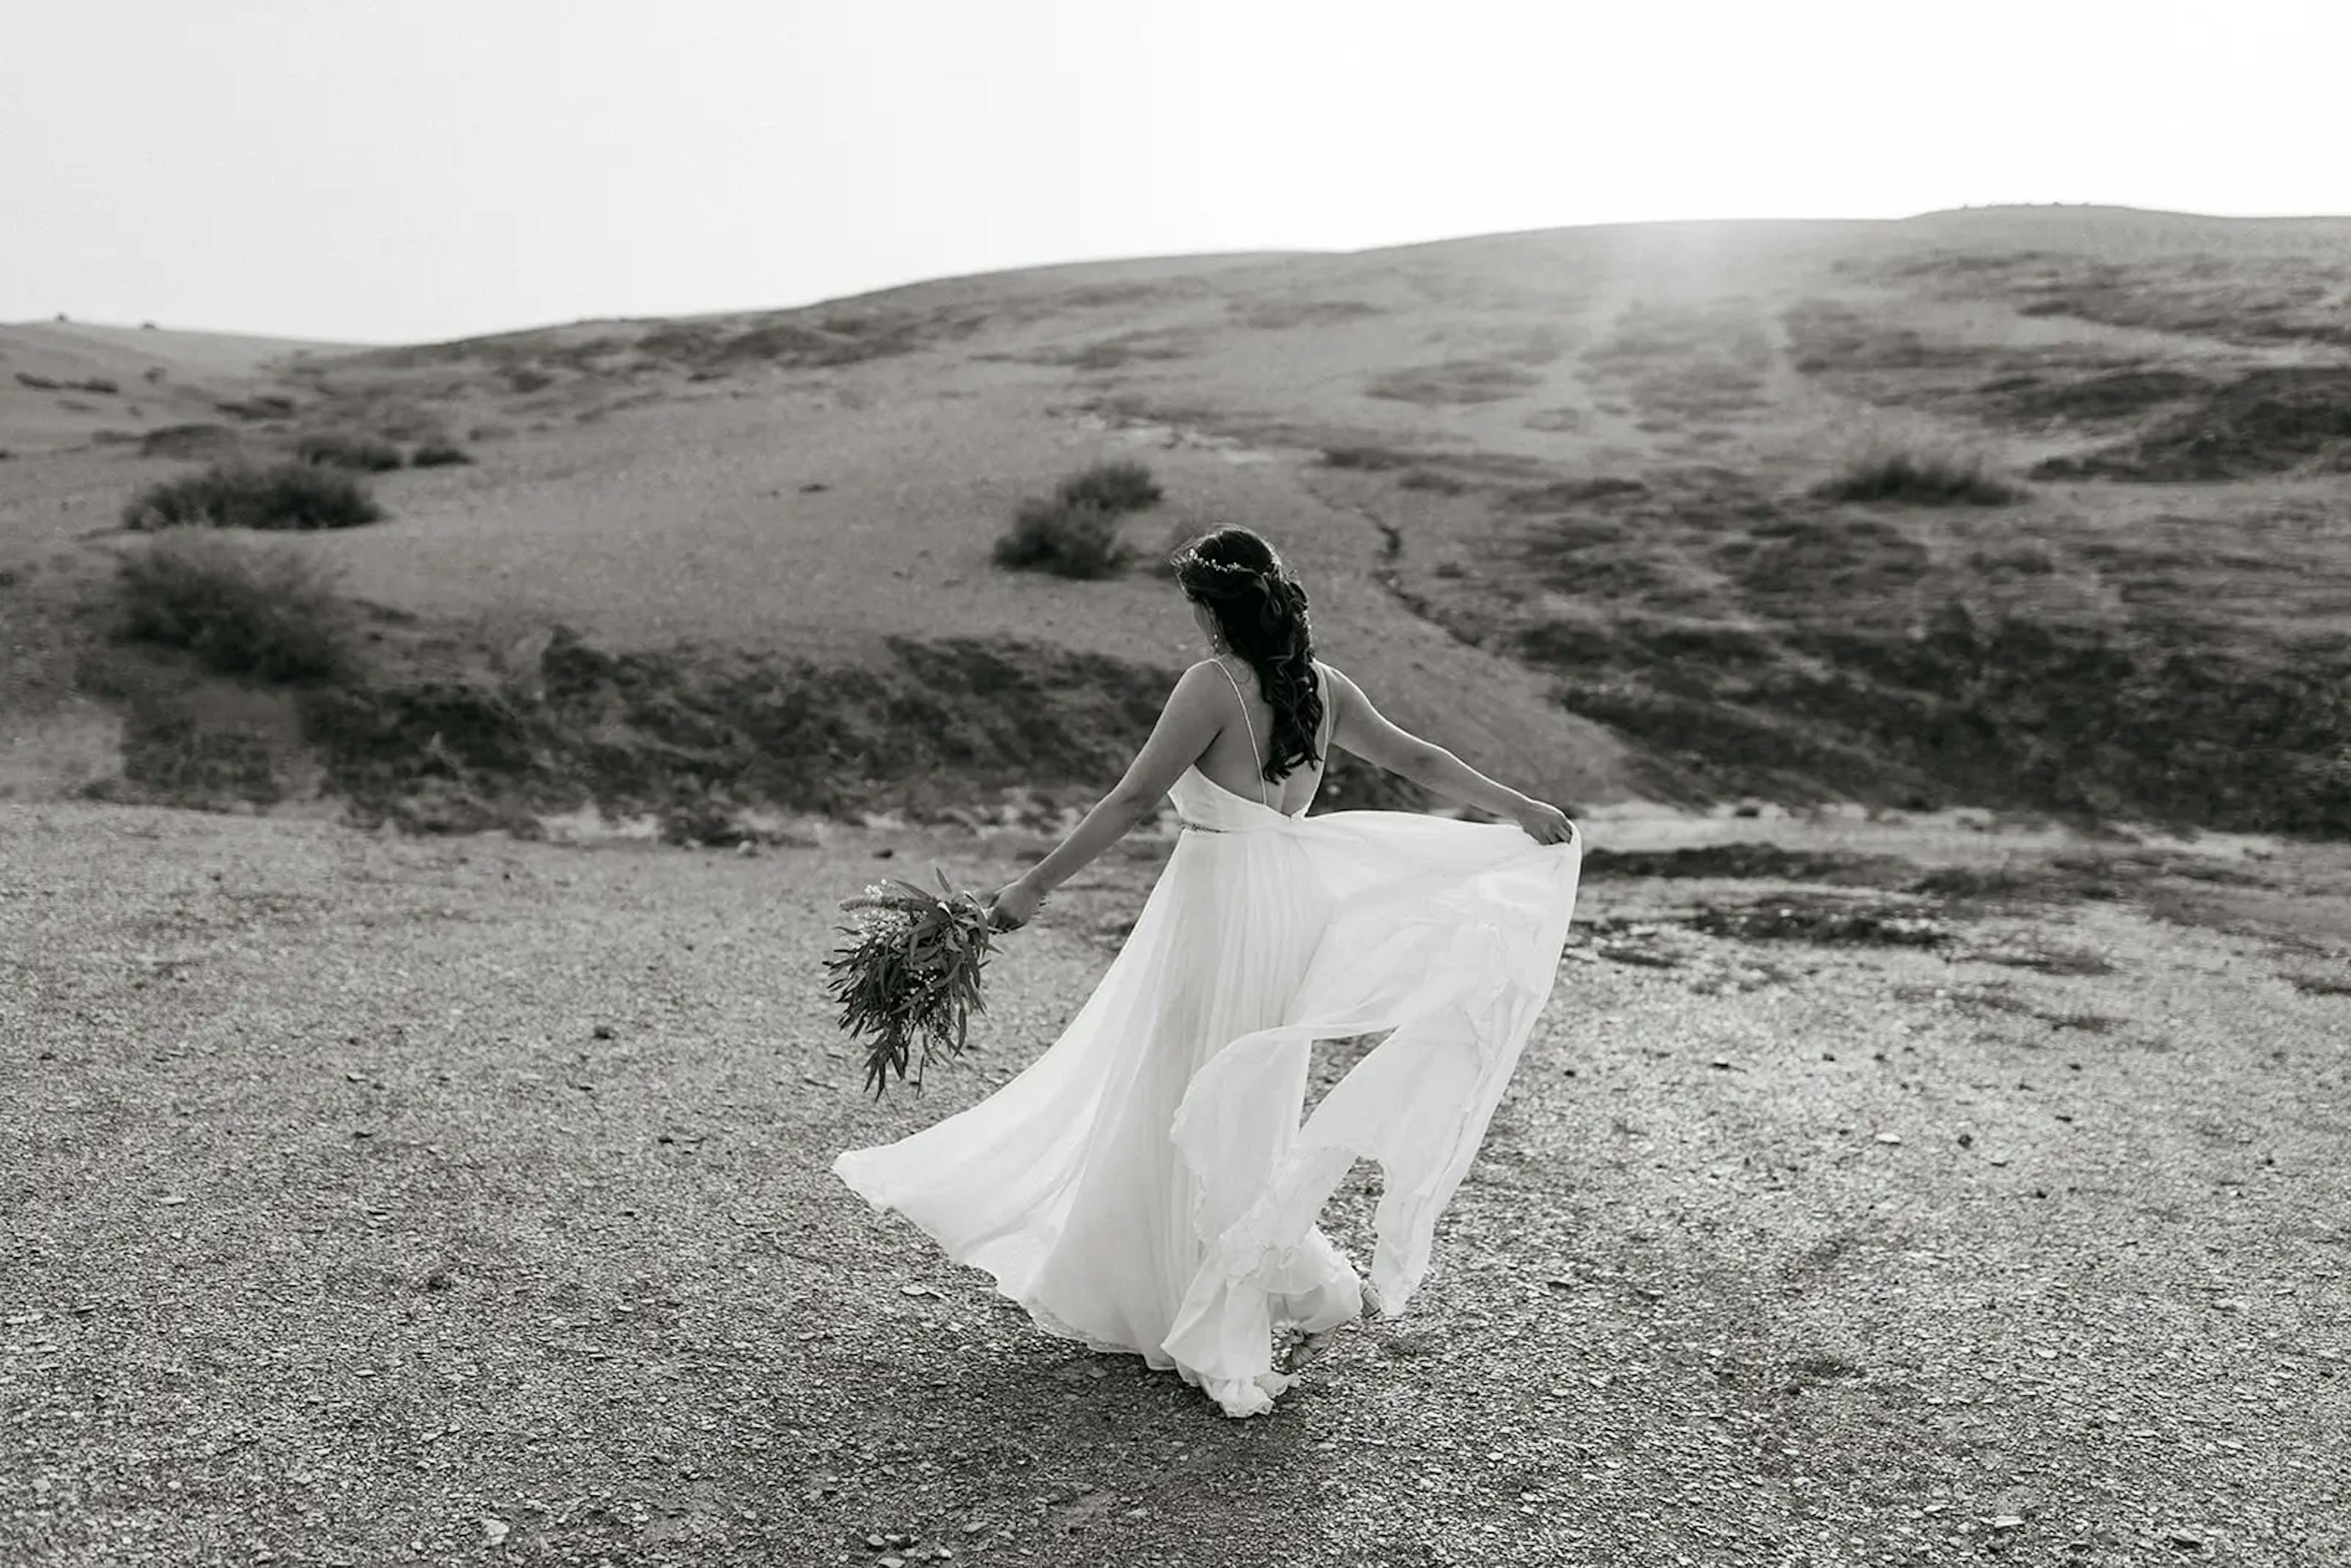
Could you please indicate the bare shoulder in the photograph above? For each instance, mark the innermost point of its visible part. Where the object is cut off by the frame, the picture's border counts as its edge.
(1200, 671)
(1343, 688)
(1202, 684)
(1343, 699)
(1358, 726)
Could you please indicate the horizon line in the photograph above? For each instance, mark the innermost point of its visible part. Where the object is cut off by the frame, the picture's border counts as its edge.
(301, 341)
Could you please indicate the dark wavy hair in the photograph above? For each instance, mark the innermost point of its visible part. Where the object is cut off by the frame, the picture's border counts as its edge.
(1260, 607)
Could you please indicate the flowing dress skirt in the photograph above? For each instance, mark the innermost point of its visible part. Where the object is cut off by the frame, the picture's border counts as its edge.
(1150, 1183)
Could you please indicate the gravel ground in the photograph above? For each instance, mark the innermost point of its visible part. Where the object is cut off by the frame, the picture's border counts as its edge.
(372, 1200)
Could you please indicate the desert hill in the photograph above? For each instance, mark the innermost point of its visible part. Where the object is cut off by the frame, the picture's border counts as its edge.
(68, 383)
(1566, 500)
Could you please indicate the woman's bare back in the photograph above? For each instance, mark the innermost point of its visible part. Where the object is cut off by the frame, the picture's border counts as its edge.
(1234, 759)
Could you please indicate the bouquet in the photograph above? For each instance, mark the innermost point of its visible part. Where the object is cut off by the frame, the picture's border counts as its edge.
(909, 970)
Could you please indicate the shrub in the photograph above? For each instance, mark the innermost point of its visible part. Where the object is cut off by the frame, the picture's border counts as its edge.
(1069, 539)
(1373, 458)
(338, 449)
(1122, 486)
(438, 454)
(235, 496)
(266, 405)
(269, 612)
(1919, 479)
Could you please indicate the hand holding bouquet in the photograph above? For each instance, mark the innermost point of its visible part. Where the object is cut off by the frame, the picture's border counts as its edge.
(1014, 905)
(909, 970)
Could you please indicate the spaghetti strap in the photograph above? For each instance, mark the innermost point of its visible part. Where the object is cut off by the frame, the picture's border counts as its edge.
(1322, 684)
(1258, 761)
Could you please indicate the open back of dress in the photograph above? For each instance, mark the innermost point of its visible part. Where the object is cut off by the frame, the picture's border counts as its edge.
(1150, 1183)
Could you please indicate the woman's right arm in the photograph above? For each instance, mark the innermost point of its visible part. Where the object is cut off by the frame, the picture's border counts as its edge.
(1186, 725)
(1362, 728)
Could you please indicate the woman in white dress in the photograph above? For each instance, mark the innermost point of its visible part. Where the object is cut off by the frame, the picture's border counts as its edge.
(1148, 1183)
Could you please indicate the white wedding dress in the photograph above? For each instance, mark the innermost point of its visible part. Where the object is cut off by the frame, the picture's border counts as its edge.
(1147, 1185)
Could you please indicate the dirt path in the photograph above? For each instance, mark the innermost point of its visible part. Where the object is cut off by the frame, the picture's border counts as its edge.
(375, 1201)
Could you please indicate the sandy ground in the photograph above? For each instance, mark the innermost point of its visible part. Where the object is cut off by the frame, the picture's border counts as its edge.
(374, 1200)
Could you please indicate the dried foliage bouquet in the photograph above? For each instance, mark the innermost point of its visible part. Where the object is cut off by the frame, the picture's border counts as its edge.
(910, 970)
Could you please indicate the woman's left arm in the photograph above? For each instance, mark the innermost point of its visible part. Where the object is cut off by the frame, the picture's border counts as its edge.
(1186, 726)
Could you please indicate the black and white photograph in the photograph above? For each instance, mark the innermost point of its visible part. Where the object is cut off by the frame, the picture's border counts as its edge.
(1206, 784)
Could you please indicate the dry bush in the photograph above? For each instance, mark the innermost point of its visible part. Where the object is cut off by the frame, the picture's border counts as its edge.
(1921, 478)
(173, 756)
(263, 406)
(1077, 540)
(270, 613)
(296, 496)
(439, 455)
(1119, 486)
(341, 449)
(1371, 458)
(98, 385)
(1075, 534)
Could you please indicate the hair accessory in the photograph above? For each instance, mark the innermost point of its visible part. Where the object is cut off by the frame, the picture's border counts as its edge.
(1231, 574)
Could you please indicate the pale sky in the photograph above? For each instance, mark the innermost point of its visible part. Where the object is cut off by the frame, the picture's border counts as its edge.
(403, 170)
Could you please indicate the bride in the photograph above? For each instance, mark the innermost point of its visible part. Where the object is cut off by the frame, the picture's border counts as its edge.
(1150, 1184)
